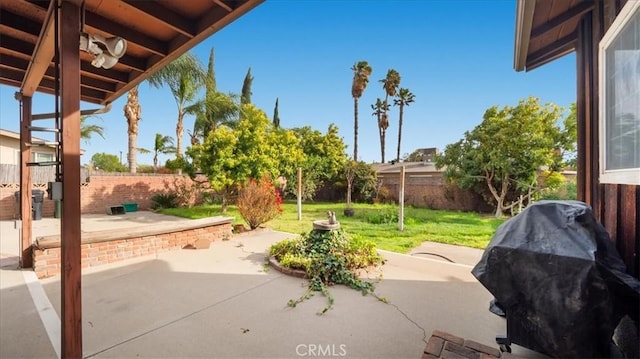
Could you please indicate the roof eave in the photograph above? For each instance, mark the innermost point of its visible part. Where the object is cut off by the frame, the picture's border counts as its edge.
(524, 23)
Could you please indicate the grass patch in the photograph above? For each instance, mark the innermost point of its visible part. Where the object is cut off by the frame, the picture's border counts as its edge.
(377, 223)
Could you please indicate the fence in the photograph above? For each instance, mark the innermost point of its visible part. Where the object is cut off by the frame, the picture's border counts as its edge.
(10, 174)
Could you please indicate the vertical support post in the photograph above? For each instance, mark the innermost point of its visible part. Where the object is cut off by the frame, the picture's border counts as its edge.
(299, 194)
(70, 233)
(26, 259)
(401, 200)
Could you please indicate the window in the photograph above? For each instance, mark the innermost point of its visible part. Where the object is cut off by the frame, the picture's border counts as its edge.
(620, 98)
(42, 157)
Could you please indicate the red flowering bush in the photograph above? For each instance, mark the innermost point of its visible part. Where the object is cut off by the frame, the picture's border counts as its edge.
(259, 202)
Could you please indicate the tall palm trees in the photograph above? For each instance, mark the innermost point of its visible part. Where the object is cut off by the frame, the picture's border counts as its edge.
(390, 85)
(405, 98)
(164, 145)
(183, 77)
(361, 72)
(380, 111)
(216, 108)
(132, 111)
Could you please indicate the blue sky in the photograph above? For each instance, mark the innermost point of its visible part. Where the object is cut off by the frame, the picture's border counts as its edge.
(455, 56)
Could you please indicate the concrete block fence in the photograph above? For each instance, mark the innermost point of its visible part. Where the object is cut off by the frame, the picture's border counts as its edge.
(99, 192)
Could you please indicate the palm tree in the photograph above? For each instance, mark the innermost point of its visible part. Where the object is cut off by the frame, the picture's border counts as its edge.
(390, 85)
(405, 98)
(132, 112)
(164, 145)
(361, 72)
(184, 77)
(86, 130)
(245, 98)
(380, 111)
(217, 108)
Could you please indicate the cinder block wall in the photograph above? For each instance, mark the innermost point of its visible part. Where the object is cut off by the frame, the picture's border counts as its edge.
(101, 191)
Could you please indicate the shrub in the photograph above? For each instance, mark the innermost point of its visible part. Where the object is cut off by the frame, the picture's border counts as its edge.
(328, 257)
(258, 202)
(164, 200)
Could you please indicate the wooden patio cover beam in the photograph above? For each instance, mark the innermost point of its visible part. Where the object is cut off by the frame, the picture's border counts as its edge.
(42, 56)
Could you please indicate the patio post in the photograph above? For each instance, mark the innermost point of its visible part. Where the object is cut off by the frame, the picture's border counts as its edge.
(26, 260)
(70, 234)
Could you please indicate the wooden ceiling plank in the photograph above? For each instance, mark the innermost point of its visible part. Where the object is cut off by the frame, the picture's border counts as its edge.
(166, 16)
(204, 30)
(96, 84)
(552, 51)
(223, 5)
(20, 23)
(574, 12)
(106, 74)
(42, 55)
(18, 46)
(152, 44)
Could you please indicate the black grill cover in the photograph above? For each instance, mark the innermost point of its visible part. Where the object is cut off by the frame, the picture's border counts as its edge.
(554, 269)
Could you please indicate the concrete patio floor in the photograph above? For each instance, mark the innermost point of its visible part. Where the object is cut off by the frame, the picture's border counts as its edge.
(223, 302)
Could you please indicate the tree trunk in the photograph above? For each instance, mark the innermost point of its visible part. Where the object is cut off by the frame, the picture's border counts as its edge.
(355, 128)
(132, 113)
(179, 133)
(155, 162)
(399, 133)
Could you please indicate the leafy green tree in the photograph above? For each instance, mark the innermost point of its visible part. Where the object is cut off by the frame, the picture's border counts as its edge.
(405, 98)
(361, 72)
(380, 111)
(324, 158)
(390, 86)
(107, 162)
(506, 151)
(276, 116)
(245, 98)
(254, 149)
(164, 145)
(569, 138)
(183, 76)
(88, 130)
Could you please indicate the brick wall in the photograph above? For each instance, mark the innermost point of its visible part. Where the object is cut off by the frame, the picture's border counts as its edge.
(47, 259)
(101, 191)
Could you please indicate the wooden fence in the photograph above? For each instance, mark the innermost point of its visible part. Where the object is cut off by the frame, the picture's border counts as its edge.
(10, 174)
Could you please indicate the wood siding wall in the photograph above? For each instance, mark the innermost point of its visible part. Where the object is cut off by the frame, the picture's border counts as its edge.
(617, 207)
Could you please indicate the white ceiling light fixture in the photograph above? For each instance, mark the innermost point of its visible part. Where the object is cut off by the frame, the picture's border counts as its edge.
(114, 48)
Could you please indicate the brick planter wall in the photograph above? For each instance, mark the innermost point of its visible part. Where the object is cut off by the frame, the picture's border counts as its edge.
(104, 247)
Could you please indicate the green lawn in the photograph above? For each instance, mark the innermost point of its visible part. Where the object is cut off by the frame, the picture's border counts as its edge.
(376, 222)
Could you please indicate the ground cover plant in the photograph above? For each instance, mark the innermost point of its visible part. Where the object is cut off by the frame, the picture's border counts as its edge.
(377, 223)
(328, 258)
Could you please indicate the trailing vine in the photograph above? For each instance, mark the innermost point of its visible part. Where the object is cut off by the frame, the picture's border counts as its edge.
(328, 258)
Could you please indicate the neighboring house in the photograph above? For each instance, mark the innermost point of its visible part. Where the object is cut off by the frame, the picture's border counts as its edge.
(427, 171)
(10, 149)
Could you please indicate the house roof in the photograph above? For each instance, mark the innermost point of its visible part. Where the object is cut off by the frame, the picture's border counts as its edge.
(409, 167)
(16, 135)
(546, 30)
(156, 32)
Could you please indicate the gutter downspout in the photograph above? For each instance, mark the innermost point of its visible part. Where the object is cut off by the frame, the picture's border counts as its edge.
(524, 24)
